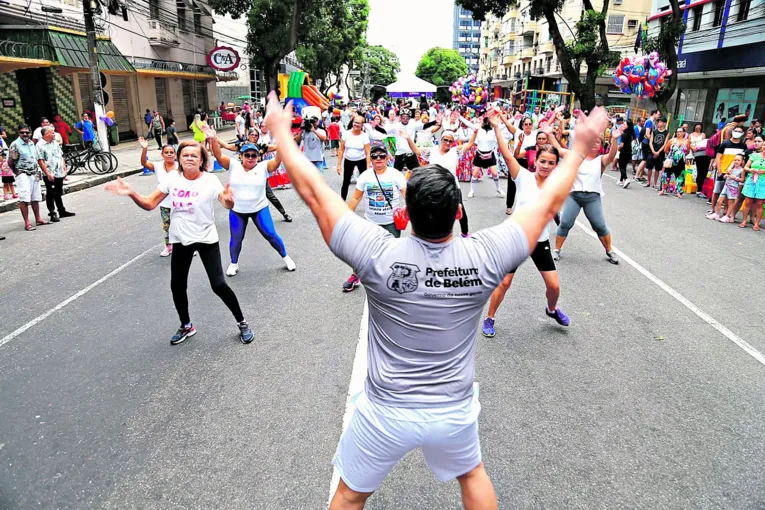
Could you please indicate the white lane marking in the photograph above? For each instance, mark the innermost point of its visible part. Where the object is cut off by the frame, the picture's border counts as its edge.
(356, 386)
(81, 293)
(683, 300)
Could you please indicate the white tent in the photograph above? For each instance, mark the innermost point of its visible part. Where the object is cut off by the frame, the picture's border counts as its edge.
(410, 86)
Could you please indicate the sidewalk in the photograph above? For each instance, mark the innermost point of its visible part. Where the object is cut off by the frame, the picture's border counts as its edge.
(128, 154)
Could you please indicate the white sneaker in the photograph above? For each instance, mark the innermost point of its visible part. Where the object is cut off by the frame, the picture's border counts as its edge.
(500, 193)
(626, 184)
(232, 269)
(167, 251)
(470, 194)
(290, 263)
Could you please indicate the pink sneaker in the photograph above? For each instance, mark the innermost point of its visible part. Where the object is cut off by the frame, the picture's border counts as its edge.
(725, 219)
(711, 216)
(7, 196)
(167, 251)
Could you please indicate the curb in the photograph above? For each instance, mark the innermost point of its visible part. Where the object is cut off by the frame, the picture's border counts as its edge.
(10, 205)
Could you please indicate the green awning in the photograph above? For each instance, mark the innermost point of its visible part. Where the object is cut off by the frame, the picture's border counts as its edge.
(72, 51)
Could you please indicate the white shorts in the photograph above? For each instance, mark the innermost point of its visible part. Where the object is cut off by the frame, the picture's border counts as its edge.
(28, 188)
(379, 436)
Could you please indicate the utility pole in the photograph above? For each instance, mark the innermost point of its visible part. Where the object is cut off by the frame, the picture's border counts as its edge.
(95, 76)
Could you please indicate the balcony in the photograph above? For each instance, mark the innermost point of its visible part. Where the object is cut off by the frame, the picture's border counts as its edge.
(547, 47)
(529, 27)
(508, 60)
(160, 33)
(527, 53)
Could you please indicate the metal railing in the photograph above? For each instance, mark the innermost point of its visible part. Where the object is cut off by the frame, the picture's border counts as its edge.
(167, 65)
(15, 49)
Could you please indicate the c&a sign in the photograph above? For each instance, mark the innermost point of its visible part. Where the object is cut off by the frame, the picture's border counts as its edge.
(223, 58)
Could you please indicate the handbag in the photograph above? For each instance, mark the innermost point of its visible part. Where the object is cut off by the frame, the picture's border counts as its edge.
(400, 218)
(668, 163)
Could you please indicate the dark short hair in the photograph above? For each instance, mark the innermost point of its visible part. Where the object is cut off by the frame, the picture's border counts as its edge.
(432, 201)
(655, 111)
(23, 126)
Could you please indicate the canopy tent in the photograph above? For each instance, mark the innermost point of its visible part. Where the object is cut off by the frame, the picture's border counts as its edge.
(410, 86)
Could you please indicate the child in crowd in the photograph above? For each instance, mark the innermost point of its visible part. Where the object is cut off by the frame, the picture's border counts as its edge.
(333, 130)
(8, 179)
(729, 193)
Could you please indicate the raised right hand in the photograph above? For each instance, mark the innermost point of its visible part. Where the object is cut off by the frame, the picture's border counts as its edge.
(143, 142)
(119, 187)
(589, 129)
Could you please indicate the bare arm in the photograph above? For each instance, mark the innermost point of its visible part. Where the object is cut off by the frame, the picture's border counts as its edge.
(144, 150)
(512, 164)
(321, 134)
(534, 217)
(273, 164)
(340, 154)
(146, 202)
(325, 204)
(471, 142)
(357, 194)
(226, 145)
(224, 160)
(416, 150)
(367, 150)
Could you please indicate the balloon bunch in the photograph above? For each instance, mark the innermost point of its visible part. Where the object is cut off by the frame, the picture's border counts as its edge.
(467, 91)
(108, 119)
(642, 76)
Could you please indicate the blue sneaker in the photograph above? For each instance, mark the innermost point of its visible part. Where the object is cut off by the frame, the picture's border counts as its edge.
(560, 317)
(245, 333)
(488, 328)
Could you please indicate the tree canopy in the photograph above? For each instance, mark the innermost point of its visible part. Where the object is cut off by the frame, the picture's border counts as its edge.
(337, 31)
(589, 47)
(441, 67)
(666, 44)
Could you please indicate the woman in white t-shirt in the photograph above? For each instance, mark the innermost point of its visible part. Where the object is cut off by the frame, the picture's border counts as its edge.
(485, 157)
(249, 180)
(192, 229)
(448, 155)
(528, 189)
(353, 153)
(165, 170)
(383, 189)
(586, 194)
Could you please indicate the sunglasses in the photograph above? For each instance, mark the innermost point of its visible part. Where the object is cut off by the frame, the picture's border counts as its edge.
(23, 132)
(250, 155)
(447, 140)
(378, 155)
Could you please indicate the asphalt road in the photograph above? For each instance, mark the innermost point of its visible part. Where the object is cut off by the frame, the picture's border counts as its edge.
(641, 403)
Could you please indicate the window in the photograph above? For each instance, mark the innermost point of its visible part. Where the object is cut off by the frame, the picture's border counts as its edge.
(632, 24)
(154, 9)
(697, 12)
(718, 9)
(692, 102)
(197, 22)
(743, 10)
(181, 10)
(615, 24)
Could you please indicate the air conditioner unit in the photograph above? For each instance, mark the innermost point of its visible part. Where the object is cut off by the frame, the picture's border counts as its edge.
(504, 76)
(517, 76)
(540, 70)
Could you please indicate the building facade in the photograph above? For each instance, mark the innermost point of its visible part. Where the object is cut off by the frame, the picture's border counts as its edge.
(152, 55)
(721, 65)
(517, 52)
(466, 37)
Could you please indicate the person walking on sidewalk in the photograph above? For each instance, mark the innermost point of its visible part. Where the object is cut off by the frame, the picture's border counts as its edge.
(426, 293)
(157, 128)
(192, 230)
(86, 130)
(168, 169)
(52, 160)
(24, 160)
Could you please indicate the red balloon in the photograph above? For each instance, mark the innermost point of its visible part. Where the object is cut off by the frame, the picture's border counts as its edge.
(660, 81)
(648, 89)
(625, 61)
(634, 79)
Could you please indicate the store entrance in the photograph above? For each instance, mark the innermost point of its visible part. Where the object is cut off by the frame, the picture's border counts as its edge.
(35, 96)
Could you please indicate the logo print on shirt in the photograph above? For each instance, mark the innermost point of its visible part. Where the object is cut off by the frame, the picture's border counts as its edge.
(403, 279)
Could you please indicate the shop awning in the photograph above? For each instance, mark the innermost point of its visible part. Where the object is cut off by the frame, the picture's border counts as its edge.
(72, 51)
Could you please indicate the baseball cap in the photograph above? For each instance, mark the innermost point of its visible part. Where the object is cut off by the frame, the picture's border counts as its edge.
(405, 111)
(377, 146)
(249, 147)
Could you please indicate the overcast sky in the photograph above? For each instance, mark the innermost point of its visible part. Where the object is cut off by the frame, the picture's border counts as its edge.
(409, 28)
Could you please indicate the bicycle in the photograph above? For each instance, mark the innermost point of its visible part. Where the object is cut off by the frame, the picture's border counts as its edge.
(98, 162)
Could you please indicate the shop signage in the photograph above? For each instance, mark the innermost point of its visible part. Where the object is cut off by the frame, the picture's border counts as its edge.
(9, 103)
(223, 58)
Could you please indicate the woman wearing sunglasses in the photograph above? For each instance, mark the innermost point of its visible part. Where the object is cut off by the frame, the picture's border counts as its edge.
(448, 155)
(168, 169)
(249, 179)
(383, 189)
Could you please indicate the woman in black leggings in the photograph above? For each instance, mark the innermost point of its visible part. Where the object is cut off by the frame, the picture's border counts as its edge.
(625, 153)
(353, 153)
(192, 229)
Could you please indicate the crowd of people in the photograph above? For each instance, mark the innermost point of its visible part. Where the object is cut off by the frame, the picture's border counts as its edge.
(403, 164)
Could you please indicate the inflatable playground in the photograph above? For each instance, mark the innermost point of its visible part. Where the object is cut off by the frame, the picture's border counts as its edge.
(305, 97)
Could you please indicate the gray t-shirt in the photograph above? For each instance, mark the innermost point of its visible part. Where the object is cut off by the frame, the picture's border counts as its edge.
(425, 304)
(312, 146)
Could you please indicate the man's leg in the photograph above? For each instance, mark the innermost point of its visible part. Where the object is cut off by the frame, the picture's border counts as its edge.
(24, 208)
(346, 498)
(50, 197)
(477, 490)
(36, 210)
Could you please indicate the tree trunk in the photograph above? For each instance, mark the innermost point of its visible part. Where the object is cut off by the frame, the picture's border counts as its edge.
(349, 86)
(271, 73)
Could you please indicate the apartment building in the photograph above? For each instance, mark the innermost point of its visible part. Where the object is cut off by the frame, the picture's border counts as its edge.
(721, 65)
(152, 55)
(466, 37)
(517, 51)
